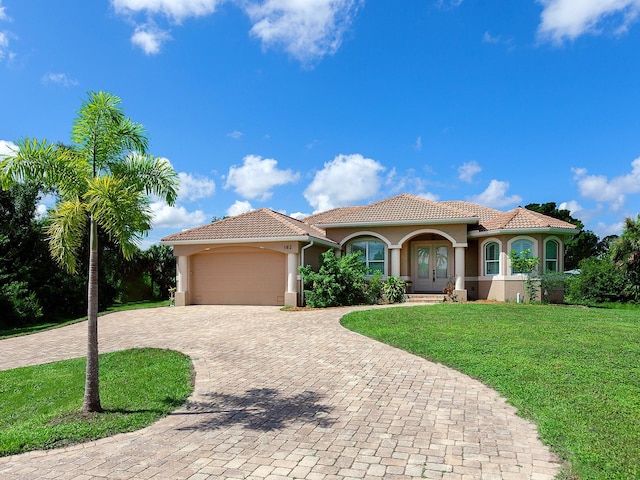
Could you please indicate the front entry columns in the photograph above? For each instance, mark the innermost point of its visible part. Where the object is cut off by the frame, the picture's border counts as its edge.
(395, 261)
(460, 272)
(291, 295)
(182, 281)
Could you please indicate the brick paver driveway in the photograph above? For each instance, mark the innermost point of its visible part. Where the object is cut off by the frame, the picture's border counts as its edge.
(288, 395)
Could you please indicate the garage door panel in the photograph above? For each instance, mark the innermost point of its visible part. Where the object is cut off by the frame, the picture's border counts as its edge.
(255, 278)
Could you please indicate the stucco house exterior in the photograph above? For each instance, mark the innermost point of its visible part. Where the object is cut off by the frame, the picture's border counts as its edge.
(253, 258)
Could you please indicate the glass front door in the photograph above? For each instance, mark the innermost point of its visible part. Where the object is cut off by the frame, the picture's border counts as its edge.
(430, 266)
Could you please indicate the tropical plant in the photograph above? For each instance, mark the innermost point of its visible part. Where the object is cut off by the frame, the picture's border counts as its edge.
(394, 289)
(523, 262)
(103, 181)
(338, 282)
(625, 253)
(599, 281)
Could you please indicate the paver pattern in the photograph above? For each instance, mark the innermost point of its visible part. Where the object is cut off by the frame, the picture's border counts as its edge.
(282, 395)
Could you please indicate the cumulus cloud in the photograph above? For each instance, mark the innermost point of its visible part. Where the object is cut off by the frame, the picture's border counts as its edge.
(612, 191)
(177, 217)
(150, 38)
(307, 30)
(177, 10)
(569, 19)
(496, 196)
(239, 207)
(345, 180)
(59, 79)
(257, 177)
(468, 170)
(3, 14)
(194, 187)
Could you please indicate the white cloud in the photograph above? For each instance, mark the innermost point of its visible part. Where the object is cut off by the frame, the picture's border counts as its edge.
(345, 180)
(468, 170)
(3, 14)
(299, 215)
(59, 79)
(177, 10)
(496, 195)
(306, 29)
(418, 145)
(429, 196)
(4, 46)
(603, 230)
(574, 207)
(257, 177)
(614, 191)
(568, 19)
(194, 187)
(239, 207)
(7, 148)
(488, 38)
(149, 38)
(236, 134)
(176, 217)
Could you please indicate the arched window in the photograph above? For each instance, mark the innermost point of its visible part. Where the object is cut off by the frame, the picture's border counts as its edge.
(520, 246)
(492, 258)
(551, 256)
(373, 253)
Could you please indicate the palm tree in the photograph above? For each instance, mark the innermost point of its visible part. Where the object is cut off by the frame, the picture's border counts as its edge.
(103, 181)
(625, 253)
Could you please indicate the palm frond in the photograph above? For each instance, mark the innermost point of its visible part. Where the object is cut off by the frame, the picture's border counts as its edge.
(120, 209)
(66, 226)
(153, 175)
(103, 134)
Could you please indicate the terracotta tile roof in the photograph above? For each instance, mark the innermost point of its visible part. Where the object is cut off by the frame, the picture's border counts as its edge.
(264, 223)
(401, 208)
(521, 218)
(484, 213)
(327, 214)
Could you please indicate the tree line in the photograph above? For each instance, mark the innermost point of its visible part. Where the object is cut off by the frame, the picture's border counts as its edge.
(34, 288)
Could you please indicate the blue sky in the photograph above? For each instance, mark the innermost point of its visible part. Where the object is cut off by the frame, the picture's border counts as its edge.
(305, 105)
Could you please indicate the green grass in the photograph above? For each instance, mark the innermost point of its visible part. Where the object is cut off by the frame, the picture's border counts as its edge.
(28, 330)
(573, 371)
(40, 406)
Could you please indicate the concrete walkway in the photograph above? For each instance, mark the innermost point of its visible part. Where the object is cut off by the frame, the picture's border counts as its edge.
(283, 395)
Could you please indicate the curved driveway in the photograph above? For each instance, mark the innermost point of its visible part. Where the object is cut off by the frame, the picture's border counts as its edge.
(283, 395)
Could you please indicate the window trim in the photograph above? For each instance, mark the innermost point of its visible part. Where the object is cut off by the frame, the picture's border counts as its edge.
(367, 239)
(485, 261)
(558, 243)
(534, 250)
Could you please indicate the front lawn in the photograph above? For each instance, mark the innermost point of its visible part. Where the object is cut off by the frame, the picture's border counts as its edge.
(573, 371)
(40, 406)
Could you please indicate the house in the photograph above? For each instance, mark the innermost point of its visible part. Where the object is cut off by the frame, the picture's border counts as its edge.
(253, 258)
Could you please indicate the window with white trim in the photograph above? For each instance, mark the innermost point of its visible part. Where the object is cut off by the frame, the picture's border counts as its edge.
(492, 258)
(551, 256)
(373, 253)
(521, 246)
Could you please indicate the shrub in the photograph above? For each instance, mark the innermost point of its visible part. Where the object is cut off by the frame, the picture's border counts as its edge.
(394, 289)
(551, 282)
(599, 281)
(19, 305)
(338, 281)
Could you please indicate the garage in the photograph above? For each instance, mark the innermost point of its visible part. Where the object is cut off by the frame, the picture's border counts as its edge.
(251, 277)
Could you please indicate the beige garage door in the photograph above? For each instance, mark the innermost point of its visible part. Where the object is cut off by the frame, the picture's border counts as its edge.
(247, 278)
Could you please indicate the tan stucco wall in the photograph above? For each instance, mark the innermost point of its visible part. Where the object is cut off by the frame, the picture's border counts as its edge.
(396, 234)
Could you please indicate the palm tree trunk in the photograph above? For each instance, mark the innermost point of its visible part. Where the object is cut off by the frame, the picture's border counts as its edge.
(91, 388)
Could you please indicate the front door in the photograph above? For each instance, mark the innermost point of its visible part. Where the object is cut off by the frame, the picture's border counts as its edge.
(430, 266)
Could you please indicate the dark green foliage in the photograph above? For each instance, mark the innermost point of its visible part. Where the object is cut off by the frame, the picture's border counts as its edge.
(338, 281)
(162, 270)
(394, 289)
(625, 253)
(599, 281)
(33, 287)
(552, 286)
